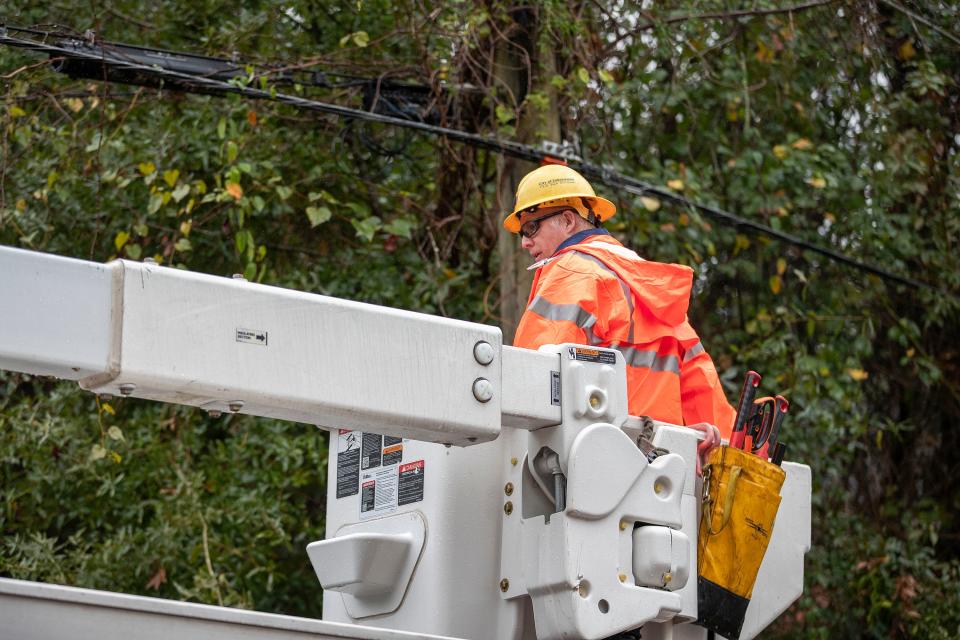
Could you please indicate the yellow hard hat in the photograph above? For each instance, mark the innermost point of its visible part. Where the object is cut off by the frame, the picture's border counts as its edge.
(556, 182)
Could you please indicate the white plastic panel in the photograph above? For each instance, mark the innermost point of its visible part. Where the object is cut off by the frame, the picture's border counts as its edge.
(370, 563)
(780, 579)
(208, 341)
(55, 314)
(531, 389)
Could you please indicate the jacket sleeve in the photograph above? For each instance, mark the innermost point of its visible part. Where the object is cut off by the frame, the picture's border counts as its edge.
(567, 305)
(701, 394)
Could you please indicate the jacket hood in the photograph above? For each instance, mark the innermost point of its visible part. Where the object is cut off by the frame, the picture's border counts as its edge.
(664, 289)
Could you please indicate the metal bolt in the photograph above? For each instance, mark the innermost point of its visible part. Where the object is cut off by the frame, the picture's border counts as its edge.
(583, 589)
(623, 525)
(482, 390)
(235, 405)
(658, 488)
(667, 577)
(508, 508)
(513, 461)
(127, 389)
(238, 276)
(483, 352)
(595, 400)
(149, 260)
(214, 413)
(508, 489)
(504, 585)
(623, 577)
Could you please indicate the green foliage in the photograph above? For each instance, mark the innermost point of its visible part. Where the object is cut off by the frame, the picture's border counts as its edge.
(839, 123)
(124, 495)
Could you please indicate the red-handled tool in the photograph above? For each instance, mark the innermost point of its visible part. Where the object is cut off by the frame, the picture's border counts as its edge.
(780, 408)
(744, 407)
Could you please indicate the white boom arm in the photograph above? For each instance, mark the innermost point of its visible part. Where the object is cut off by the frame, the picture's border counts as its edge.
(224, 344)
(549, 523)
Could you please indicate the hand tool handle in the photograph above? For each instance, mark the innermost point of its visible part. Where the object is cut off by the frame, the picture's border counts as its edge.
(778, 453)
(780, 407)
(744, 406)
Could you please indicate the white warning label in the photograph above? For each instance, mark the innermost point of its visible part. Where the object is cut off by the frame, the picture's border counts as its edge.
(378, 492)
(252, 336)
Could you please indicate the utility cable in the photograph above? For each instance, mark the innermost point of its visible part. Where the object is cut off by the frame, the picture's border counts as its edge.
(512, 149)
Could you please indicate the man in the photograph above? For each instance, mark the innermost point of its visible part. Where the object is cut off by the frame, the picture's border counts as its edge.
(590, 289)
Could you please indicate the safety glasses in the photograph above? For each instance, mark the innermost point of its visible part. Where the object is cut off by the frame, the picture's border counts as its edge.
(530, 228)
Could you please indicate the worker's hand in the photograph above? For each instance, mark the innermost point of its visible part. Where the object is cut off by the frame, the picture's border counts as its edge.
(710, 440)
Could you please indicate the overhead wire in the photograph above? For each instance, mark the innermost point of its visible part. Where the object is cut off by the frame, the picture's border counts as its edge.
(602, 174)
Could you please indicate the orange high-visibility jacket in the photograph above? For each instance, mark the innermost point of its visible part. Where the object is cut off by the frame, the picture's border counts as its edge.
(600, 293)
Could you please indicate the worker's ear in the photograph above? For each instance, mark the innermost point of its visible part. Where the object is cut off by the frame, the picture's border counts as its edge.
(570, 219)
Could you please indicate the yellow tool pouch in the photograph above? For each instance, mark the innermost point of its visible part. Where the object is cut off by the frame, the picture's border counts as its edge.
(741, 495)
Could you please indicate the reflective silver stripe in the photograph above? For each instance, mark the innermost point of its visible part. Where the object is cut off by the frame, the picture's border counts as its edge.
(693, 351)
(570, 312)
(649, 360)
(627, 293)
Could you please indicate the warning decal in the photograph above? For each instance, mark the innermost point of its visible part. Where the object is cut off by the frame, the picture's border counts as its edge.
(370, 450)
(348, 462)
(602, 356)
(411, 482)
(252, 336)
(379, 495)
(392, 455)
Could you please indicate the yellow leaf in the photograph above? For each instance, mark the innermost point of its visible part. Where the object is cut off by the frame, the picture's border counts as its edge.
(17, 112)
(146, 168)
(361, 39)
(450, 273)
(120, 239)
(910, 352)
(824, 372)
(858, 374)
(116, 457)
(108, 408)
(817, 182)
(906, 51)
(829, 216)
(775, 284)
(683, 219)
(252, 118)
(75, 104)
(171, 176)
(235, 190)
(21, 205)
(764, 53)
(802, 144)
(186, 226)
(115, 433)
(781, 266)
(650, 204)
(676, 185)
(781, 151)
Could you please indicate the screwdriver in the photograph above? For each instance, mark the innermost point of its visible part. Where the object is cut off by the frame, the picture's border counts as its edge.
(744, 406)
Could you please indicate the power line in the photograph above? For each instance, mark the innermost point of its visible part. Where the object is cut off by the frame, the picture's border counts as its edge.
(512, 149)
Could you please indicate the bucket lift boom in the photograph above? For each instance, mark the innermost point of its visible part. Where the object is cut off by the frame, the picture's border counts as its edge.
(544, 521)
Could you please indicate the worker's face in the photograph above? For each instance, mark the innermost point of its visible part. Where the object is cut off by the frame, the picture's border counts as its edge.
(554, 227)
